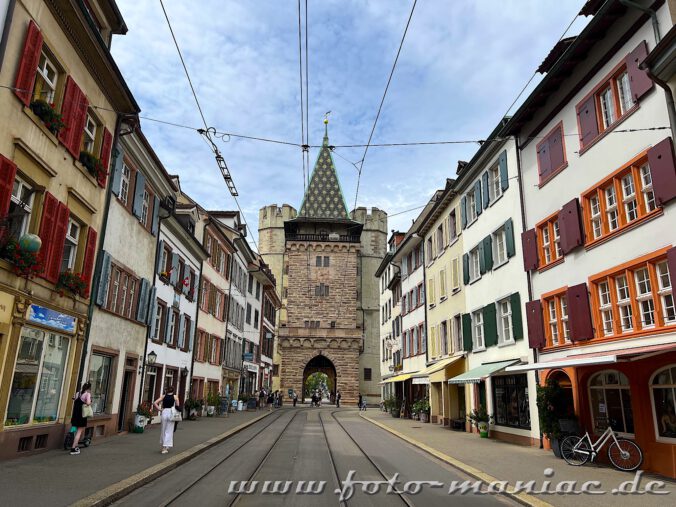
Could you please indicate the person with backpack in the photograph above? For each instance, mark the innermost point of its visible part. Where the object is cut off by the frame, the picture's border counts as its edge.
(168, 402)
(82, 410)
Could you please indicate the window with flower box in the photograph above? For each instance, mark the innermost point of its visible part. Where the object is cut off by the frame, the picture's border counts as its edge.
(549, 241)
(621, 200)
(635, 297)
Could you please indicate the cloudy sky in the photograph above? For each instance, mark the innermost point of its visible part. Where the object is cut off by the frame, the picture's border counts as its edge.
(462, 65)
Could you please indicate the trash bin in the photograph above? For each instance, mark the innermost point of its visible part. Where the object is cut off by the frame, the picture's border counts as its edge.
(240, 405)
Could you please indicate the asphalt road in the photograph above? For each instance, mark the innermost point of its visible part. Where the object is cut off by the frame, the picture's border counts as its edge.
(324, 445)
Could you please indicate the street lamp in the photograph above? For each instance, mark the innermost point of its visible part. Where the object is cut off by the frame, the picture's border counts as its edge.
(152, 357)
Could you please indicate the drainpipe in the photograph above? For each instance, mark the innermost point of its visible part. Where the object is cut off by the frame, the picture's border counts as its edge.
(650, 12)
(669, 96)
(5, 29)
(101, 238)
(519, 173)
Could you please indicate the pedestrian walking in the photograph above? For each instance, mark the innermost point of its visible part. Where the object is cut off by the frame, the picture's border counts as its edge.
(363, 403)
(168, 402)
(82, 409)
(294, 397)
(261, 398)
(338, 396)
(271, 400)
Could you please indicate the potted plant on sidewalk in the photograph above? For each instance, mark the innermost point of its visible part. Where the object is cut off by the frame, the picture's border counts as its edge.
(392, 405)
(422, 408)
(481, 420)
(551, 403)
(213, 401)
(143, 416)
(193, 407)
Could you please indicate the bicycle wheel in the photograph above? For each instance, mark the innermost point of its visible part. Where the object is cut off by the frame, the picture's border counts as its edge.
(625, 455)
(575, 456)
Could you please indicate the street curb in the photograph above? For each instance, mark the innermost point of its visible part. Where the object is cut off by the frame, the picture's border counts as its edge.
(122, 488)
(522, 498)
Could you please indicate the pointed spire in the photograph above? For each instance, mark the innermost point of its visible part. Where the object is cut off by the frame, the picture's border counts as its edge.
(324, 197)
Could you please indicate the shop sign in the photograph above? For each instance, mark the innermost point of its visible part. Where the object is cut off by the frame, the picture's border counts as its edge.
(252, 367)
(50, 318)
(421, 380)
(248, 356)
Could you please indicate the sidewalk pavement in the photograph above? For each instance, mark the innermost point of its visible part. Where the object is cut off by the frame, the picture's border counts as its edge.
(57, 478)
(493, 460)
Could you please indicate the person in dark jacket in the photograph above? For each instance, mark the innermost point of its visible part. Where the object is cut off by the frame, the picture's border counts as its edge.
(338, 396)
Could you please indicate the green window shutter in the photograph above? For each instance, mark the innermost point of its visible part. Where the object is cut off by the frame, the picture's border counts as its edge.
(155, 224)
(465, 268)
(467, 332)
(137, 206)
(490, 326)
(158, 257)
(487, 195)
(104, 280)
(168, 338)
(482, 260)
(504, 177)
(488, 252)
(517, 321)
(509, 238)
(150, 315)
(142, 306)
(463, 211)
(477, 197)
(192, 335)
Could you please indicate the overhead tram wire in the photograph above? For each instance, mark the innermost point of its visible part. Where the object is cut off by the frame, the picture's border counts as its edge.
(382, 101)
(302, 115)
(307, 100)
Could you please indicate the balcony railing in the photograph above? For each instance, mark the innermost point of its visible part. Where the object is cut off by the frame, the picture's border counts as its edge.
(323, 237)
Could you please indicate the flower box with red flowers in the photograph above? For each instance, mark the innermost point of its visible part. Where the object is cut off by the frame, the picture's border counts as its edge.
(92, 164)
(74, 283)
(49, 115)
(26, 263)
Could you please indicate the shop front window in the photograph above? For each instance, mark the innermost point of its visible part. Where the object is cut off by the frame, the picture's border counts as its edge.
(99, 376)
(664, 402)
(38, 377)
(610, 399)
(510, 399)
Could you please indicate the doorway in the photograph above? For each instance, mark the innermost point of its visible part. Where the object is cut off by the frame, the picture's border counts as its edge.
(125, 400)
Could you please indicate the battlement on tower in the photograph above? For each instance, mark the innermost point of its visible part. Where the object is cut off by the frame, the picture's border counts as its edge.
(274, 216)
(374, 219)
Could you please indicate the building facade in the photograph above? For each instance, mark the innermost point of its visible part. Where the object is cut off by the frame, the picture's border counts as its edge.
(125, 281)
(598, 167)
(56, 140)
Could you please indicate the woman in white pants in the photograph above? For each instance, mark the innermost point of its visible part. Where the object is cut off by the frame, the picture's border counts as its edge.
(168, 402)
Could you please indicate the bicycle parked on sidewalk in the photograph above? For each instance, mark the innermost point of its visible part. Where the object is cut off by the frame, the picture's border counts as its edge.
(623, 454)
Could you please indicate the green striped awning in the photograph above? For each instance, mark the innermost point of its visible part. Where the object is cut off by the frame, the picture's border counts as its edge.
(476, 375)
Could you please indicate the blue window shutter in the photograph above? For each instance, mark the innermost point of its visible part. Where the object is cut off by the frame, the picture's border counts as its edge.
(168, 338)
(487, 195)
(465, 268)
(156, 216)
(137, 207)
(104, 280)
(142, 307)
(150, 314)
(174, 269)
(477, 197)
(463, 211)
(116, 184)
(509, 238)
(158, 256)
(482, 260)
(192, 335)
(504, 176)
(181, 331)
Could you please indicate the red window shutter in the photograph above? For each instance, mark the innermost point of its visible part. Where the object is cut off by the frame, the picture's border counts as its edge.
(70, 96)
(579, 313)
(536, 326)
(79, 117)
(53, 266)
(556, 155)
(529, 244)
(544, 162)
(7, 175)
(50, 208)
(106, 146)
(671, 263)
(29, 64)
(570, 225)
(587, 121)
(639, 80)
(663, 170)
(90, 254)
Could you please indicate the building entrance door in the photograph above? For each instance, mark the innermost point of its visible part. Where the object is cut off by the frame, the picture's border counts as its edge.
(125, 400)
